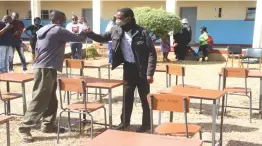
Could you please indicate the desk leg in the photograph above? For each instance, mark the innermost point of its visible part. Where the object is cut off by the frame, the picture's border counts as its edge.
(222, 122)
(108, 71)
(99, 76)
(24, 98)
(8, 107)
(214, 113)
(260, 99)
(8, 133)
(110, 107)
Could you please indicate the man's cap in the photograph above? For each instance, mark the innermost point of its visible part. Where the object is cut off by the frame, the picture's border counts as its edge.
(127, 12)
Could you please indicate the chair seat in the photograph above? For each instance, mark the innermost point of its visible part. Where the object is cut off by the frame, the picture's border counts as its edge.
(4, 119)
(237, 90)
(189, 86)
(250, 61)
(177, 129)
(10, 96)
(81, 107)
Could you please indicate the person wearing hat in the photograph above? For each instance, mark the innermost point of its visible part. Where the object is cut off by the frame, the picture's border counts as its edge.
(132, 46)
(182, 39)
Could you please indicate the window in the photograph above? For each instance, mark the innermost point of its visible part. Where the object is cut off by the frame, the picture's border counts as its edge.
(251, 13)
(29, 15)
(45, 14)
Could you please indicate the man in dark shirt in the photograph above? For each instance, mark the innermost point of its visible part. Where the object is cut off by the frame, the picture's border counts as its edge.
(5, 42)
(50, 50)
(33, 37)
(18, 27)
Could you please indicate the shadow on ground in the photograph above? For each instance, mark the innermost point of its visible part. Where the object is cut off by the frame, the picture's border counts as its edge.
(228, 128)
(241, 143)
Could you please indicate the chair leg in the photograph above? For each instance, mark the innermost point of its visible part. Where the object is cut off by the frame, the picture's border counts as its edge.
(218, 107)
(69, 122)
(250, 107)
(80, 122)
(200, 135)
(105, 117)
(226, 104)
(5, 108)
(226, 61)
(58, 127)
(92, 128)
(200, 109)
(8, 133)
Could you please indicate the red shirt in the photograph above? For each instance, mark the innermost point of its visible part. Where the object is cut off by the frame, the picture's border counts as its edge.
(18, 27)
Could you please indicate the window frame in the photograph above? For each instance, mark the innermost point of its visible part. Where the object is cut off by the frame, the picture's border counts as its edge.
(247, 13)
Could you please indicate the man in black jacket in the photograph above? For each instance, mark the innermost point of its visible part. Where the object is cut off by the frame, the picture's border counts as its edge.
(132, 46)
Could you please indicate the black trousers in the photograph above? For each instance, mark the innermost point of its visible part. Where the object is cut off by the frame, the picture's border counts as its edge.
(204, 50)
(180, 51)
(131, 81)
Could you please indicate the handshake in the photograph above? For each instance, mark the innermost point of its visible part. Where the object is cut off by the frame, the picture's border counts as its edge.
(87, 29)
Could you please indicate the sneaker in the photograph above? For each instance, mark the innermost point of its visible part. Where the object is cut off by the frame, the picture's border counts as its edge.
(25, 71)
(200, 59)
(52, 130)
(26, 137)
(11, 71)
(206, 58)
(121, 126)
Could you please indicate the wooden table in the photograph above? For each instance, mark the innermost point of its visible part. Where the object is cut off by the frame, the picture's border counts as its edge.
(122, 138)
(251, 74)
(205, 94)
(17, 78)
(104, 84)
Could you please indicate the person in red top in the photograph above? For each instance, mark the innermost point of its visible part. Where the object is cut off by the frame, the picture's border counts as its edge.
(18, 27)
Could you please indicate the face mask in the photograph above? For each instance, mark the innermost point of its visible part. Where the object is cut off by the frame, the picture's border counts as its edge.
(120, 23)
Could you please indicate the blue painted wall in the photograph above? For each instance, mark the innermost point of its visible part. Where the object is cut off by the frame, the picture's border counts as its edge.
(227, 31)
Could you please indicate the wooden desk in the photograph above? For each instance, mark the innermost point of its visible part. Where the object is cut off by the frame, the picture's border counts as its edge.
(251, 74)
(17, 78)
(122, 138)
(104, 84)
(205, 94)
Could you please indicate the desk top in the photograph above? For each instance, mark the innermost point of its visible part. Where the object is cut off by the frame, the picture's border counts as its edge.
(206, 94)
(16, 77)
(4, 119)
(251, 74)
(96, 63)
(161, 68)
(101, 83)
(122, 138)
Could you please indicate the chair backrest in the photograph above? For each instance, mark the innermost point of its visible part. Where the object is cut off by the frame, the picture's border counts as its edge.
(234, 49)
(169, 102)
(175, 70)
(74, 63)
(254, 53)
(235, 72)
(72, 85)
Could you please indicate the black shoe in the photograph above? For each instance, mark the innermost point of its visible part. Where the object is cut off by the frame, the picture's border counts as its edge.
(143, 129)
(52, 130)
(121, 126)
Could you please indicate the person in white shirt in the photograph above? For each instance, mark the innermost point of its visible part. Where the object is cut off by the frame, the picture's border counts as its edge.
(76, 47)
(110, 24)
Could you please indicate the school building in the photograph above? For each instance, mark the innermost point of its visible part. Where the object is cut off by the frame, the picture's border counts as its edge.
(228, 22)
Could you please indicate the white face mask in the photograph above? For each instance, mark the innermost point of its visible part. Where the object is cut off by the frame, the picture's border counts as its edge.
(120, 22)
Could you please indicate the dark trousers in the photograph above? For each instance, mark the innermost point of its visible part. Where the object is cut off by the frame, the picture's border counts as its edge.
(203, 51)
(33, 44)
(131, 81)
(76, 49)
(180, 51)
(20, 50)
(44, 103)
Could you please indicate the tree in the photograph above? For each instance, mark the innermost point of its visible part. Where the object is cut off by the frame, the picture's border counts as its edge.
(157, 21)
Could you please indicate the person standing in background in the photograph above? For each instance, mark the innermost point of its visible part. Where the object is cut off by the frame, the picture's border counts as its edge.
(18, 27)
(33, 37)
(182, 39)
(83, 21)
(5, 42)
(110, 24)
(76, 28)
(203, 42)
(165, 48)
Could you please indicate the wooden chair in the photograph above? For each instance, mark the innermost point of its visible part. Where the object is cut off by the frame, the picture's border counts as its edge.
(234, 52)
(5, 119)
(172, 103)
(179, 71)
(84, 108)
(244, 91)
(252, 56)
(6, 97)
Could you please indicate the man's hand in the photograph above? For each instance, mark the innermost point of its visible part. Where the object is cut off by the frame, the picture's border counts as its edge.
(150, 79)
(8, 26)
(87, 29)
